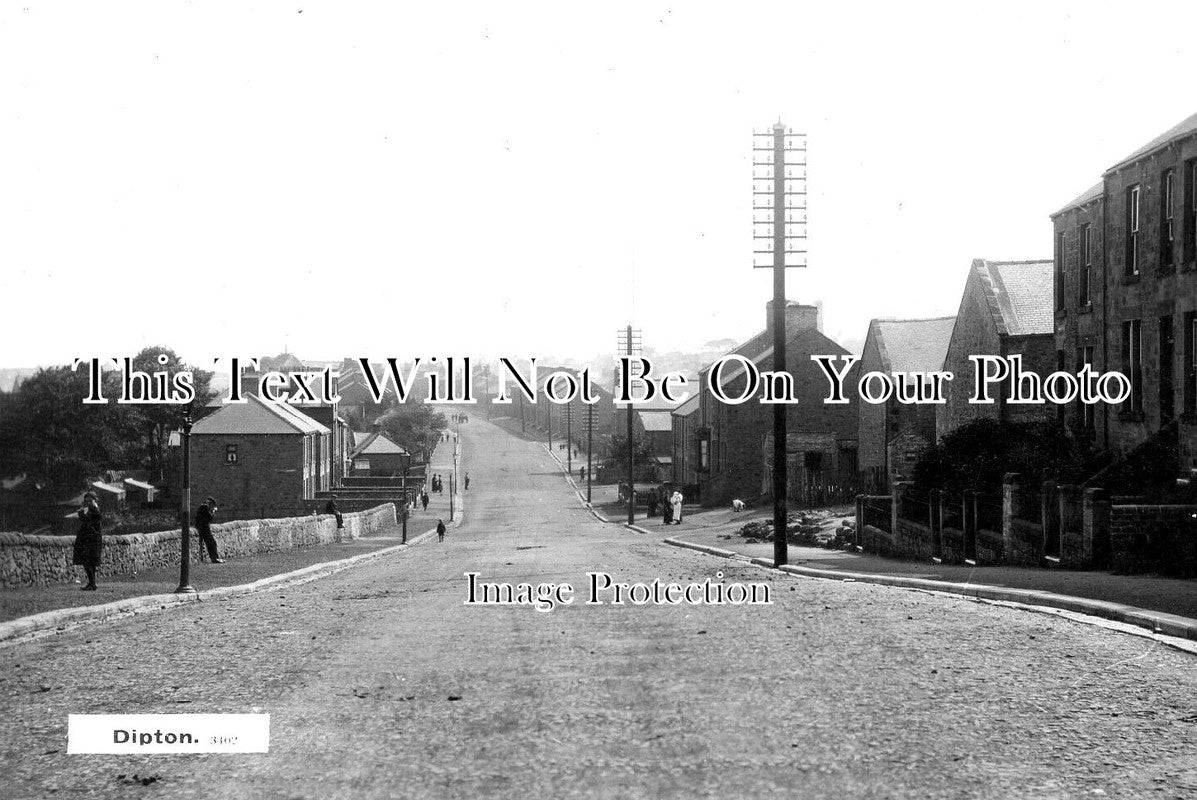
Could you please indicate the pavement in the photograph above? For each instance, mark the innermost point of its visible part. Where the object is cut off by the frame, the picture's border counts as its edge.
(717, 528)
(61, 604)
(382, 682)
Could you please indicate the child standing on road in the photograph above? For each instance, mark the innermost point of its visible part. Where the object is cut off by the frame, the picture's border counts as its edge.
(440, 530)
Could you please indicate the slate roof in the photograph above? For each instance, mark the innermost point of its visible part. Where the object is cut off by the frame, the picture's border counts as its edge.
(256, 416)
(1186, 127)
(688, 407)
(376, 445)
(823, 345)
(655, 420)
(912, 345)
(1092, 193)
(1021, 295)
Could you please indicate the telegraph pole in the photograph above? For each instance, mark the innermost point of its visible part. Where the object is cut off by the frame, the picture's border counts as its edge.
(779, 218)
(489, 400)
(631, 344)
(569, 439)
(589, 446)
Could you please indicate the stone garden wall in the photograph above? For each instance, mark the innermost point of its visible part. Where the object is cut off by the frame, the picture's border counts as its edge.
(43, 560)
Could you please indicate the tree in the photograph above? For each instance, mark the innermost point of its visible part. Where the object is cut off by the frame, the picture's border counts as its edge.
(416, 427)
(978, 455)
(156, 421)
(48, 432)
(642, 450)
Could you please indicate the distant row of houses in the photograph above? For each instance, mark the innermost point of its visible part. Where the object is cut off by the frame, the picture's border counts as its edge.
(259, 458)
(1120, 293)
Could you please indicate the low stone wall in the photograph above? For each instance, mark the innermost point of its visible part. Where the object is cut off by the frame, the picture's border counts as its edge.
(951, 545)
(42, 560)
(1023, 543)
(913, 540)
(990, 546)
(1147, 538)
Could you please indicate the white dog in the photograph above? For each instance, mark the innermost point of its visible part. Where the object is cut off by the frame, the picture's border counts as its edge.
(737, 506)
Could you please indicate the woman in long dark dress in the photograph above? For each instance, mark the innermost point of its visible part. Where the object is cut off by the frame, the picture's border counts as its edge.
(88, 542)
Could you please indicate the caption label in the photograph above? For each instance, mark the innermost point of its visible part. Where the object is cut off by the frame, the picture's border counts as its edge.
(168, 733)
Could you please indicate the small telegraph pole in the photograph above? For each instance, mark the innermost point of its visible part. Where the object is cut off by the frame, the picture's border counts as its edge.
(569, 439)
(589, 446)
(631, 346)
(779, 236)
(489, 400)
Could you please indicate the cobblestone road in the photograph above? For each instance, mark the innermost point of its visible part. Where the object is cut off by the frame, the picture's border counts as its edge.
(381, 683)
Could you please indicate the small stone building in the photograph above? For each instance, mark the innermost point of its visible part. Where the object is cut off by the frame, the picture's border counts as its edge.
(734, 441)
(378, 456)
(1006, 310)
(259, 459)
(897, 345)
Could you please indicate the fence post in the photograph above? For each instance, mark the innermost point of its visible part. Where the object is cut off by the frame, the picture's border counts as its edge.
(1048, 515)
(968, 526)
(943, 509)
(1068, 502)
(896, 507)
(1095, 541)
(1012, 500)
(860, 520)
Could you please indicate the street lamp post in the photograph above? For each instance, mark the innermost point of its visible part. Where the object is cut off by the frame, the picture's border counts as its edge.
(185, 586)
(406, 461)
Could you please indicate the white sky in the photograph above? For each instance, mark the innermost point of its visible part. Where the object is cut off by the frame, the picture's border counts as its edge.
(365, 179)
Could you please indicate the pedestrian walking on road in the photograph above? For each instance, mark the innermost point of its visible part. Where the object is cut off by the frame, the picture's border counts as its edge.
(89, 543)
(467, 481)
(440, 530)
(424, 500)
(676, 500)
(203, 526)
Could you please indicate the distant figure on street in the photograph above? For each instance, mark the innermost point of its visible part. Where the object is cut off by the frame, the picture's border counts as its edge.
(652, 504)
(676, 500)
(89, 544)
(203, 526)
(331, 508)
(424, 500)
(582, 473)
(467, 481)
(666, 510)
(440, 530)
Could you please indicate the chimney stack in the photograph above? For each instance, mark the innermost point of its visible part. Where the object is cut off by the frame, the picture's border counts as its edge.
(799, 318)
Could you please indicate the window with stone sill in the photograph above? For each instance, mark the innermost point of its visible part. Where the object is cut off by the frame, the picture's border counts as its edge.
(1133, 220)
(1167, 220)
(1086, 271)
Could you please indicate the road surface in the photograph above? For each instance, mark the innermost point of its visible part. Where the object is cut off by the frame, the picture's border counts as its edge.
(381, 682)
